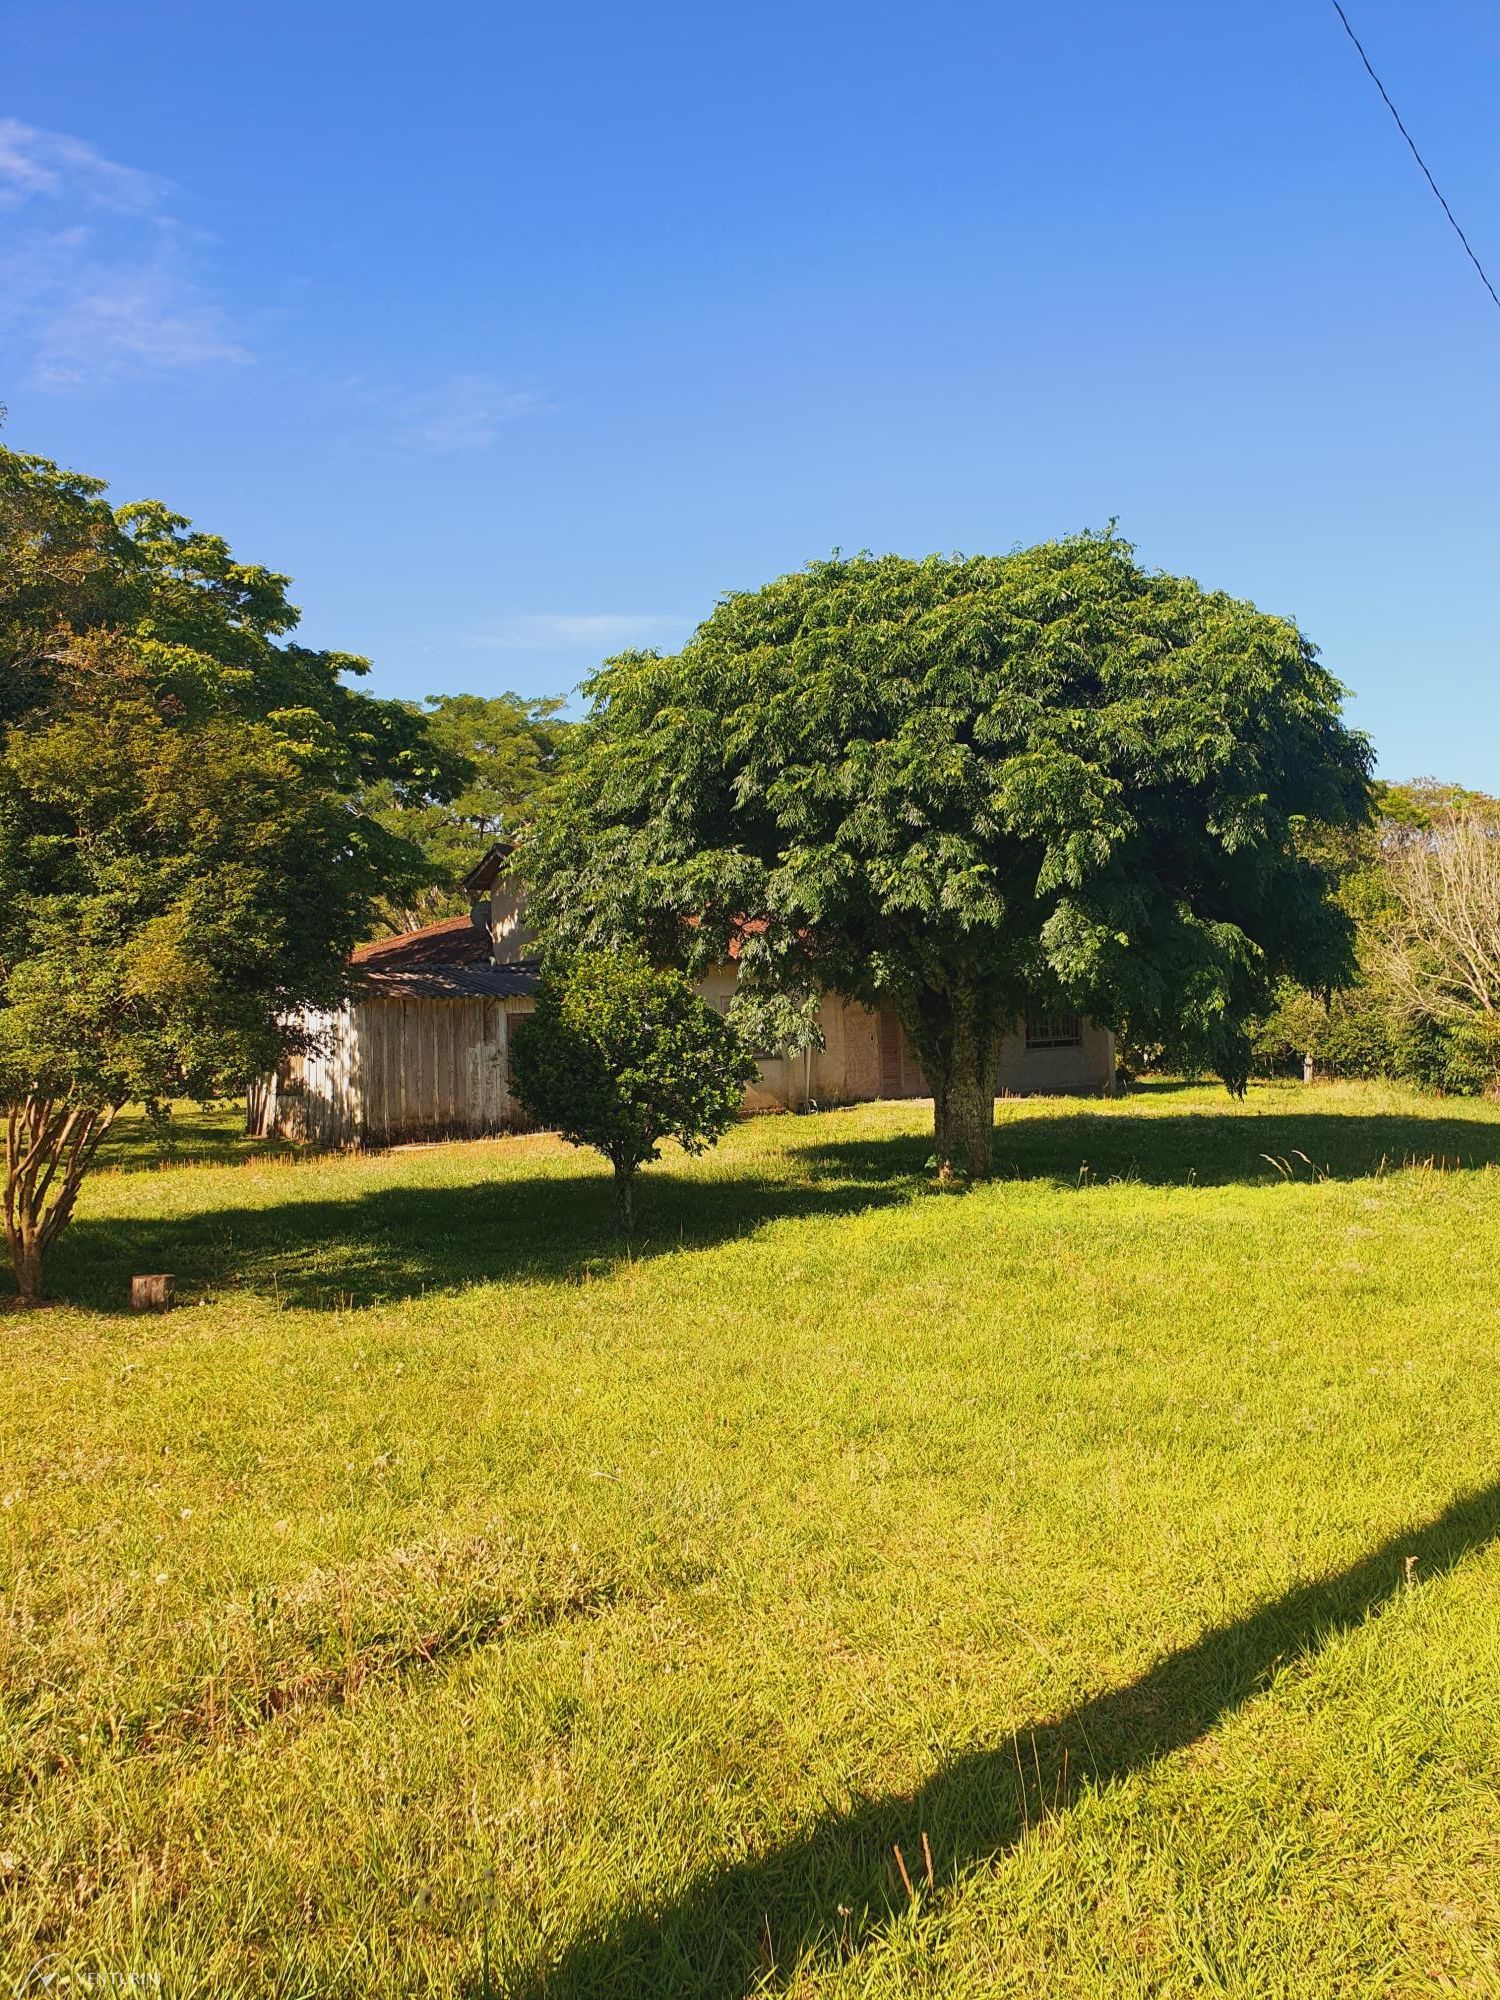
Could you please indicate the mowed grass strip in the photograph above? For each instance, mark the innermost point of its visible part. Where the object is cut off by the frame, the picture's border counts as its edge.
(1086, 1585)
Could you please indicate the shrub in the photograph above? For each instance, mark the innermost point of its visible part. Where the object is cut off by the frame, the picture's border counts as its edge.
(620, 1056)
(1350, 1034)
(1459, 1058)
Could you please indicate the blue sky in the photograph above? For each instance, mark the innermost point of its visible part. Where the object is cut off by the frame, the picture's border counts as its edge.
(518, 334)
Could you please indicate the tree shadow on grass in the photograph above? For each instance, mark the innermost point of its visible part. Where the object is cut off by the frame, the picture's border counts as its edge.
(194, 1135)
(398, 1242)
(1102, 1145)
(832, 1888)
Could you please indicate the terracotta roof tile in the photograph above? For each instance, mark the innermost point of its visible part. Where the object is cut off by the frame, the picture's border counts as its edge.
(455, 941)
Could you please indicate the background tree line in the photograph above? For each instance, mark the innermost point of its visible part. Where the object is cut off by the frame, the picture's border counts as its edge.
(500, 753)
(1421, 883)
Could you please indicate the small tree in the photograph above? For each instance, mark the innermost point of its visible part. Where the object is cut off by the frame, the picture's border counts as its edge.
(620, 1056)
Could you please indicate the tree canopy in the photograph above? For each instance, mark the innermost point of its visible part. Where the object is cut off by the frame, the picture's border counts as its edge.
(503, 751)
(969, 786)
(204, 627)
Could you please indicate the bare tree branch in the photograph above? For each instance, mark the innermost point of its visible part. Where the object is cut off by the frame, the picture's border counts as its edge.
(1440, 950)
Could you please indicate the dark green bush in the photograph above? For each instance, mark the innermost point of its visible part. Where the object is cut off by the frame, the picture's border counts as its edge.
(1362, 1033)
(620, 1056)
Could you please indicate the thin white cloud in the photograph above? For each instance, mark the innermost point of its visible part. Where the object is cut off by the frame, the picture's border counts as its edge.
(33, 162)
(591, 631)
(462, 412)
(99, 277)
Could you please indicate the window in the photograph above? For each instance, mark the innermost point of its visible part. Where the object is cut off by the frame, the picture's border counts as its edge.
(1054, 1031)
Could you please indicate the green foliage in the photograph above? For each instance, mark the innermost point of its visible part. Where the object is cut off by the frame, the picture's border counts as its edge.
(183, 861)
(777, 1021)
(1348, 1033)
(969, 785)
(181, 858)
(170, 885)
(1399, 1018)
(207, 632)
(1364, 1033)
(1458, 1058)
(620, 1056)
(1423, 803)
(504, 750)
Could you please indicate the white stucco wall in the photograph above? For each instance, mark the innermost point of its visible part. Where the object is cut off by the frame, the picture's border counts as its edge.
(857, 1061)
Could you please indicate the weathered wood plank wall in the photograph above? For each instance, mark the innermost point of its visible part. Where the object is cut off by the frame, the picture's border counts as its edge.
(383, 1071)
(432, 1067)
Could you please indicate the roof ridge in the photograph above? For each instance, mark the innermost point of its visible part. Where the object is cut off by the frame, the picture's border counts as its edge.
(401, 940)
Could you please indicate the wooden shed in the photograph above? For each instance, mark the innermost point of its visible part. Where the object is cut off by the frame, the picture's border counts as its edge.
(420, 1050)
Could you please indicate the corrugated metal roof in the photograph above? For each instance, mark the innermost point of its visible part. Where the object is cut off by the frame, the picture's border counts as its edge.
(447, 982)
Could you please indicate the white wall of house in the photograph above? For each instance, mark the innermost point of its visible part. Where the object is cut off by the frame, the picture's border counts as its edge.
(866, 1055)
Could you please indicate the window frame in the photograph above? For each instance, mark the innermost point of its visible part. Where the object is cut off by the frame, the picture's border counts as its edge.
(1053, 1031)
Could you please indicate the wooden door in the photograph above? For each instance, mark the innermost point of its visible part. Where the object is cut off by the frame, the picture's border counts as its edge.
(891, 1079)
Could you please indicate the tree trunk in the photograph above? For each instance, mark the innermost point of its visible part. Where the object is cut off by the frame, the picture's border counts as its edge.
(49, 1147)
(625, 1194)
(26, 1263)
(961, 1065)
(964, 1129)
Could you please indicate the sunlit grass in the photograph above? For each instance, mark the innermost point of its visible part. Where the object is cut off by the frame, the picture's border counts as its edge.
(447, 1594)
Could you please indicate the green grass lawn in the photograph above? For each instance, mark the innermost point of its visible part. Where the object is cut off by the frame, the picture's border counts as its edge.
(443, 1601)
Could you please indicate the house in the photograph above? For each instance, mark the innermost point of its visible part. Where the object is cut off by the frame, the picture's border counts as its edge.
(421, 1049)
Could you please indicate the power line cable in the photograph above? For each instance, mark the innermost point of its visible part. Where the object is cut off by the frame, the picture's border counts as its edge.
(1468, 246)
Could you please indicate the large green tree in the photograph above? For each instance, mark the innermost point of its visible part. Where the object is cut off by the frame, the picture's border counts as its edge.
(73, 564)
(968, 786)
(183, 859)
